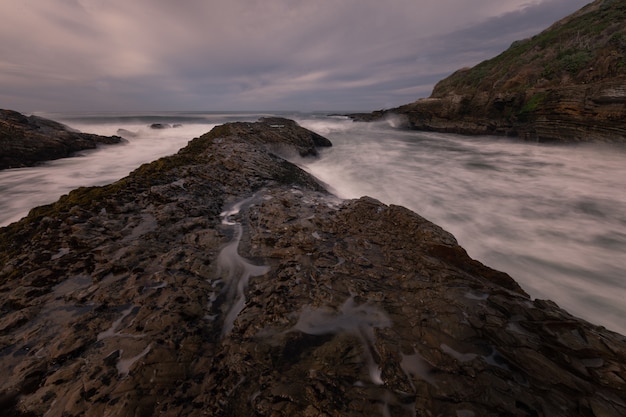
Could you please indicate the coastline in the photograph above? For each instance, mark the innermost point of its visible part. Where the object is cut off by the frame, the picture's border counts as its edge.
(352, 302)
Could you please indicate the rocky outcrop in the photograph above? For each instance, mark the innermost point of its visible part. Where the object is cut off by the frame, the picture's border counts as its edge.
(160, 126)
(226, 281)
(565, 84)
(29, 140)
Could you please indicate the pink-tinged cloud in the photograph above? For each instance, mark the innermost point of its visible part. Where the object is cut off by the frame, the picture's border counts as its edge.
(251, 54)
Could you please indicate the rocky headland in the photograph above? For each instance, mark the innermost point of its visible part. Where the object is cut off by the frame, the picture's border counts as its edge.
(30, 140)
(226, 281)
(566, 84)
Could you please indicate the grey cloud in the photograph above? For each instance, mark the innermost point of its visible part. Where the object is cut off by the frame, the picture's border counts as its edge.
(273, 54)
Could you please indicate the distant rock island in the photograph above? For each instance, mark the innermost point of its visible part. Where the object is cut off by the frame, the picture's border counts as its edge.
(30, 140)
(226, 281)
(566, 84)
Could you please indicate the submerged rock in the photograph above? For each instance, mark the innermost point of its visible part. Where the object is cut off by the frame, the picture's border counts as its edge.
(27, 141)
(125, 133)
(226, 281)
(160, 126)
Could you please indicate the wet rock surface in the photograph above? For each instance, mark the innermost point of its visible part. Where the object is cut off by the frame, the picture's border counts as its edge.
(29, 140)
(226, 281)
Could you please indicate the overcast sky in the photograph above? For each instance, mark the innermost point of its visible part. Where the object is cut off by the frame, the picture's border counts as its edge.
(60, 55)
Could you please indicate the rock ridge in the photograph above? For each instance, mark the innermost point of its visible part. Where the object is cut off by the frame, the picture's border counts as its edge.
(30, 140)
(224, 280)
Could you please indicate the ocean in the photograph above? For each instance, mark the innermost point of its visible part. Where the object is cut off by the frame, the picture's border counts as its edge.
(551, 216)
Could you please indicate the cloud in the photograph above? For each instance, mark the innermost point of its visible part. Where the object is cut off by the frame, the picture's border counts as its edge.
(252, 54)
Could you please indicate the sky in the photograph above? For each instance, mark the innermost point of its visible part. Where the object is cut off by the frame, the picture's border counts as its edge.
(225, 55)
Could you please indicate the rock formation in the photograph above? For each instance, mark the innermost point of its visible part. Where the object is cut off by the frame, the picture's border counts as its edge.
(226, 281)
(27, 141)
(160, 126)
(567, 84)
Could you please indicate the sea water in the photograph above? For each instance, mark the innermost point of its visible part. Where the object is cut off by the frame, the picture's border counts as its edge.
(551, 216)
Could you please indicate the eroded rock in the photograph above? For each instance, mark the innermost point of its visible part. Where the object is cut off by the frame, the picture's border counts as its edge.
(226, 281)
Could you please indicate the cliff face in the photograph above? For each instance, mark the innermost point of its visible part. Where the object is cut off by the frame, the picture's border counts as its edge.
(567, 83)
(225, 281)
(27, 141)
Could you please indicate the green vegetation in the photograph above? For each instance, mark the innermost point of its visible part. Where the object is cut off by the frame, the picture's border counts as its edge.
(589, 45)
(531, 105)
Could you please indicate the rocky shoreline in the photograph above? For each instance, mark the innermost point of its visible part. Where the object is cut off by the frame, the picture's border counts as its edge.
(226, 281)
(572, 114)
(566, 84)
(30, 140)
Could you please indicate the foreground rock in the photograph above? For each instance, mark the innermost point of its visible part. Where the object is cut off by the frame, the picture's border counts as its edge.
(27, 141)
(226, 281)
(566, 84)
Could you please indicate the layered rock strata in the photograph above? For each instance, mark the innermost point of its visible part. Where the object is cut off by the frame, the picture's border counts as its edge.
(29, 140)
(226, 281)
(574, 113)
